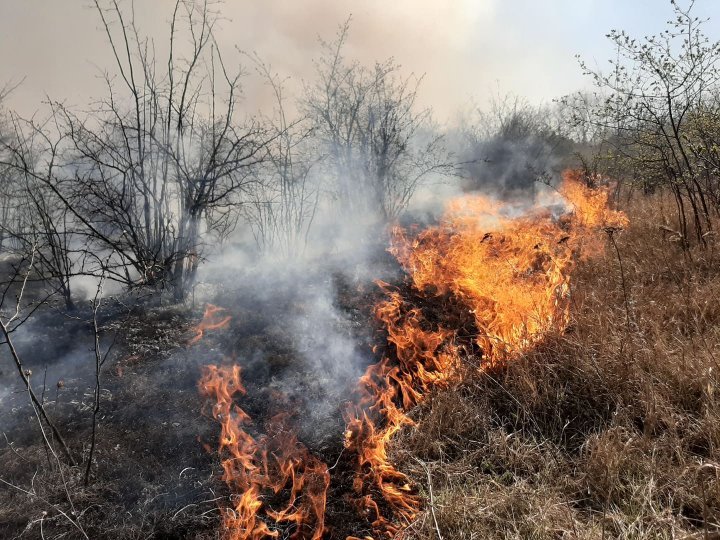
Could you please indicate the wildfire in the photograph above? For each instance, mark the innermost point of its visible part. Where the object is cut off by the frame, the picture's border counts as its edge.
(274, 476)
(512, 274)
(485, 282)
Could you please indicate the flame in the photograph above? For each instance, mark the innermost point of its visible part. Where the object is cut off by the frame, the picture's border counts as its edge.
(265, 471)
(483, 282)
(591, 205)
(214, 318)
(512, 274)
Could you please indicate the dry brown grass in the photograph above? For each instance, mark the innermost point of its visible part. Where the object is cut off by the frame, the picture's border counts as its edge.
(609, 431)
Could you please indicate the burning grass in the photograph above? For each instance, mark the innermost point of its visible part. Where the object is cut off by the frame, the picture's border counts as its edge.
(604, 424)
(510, 275)
(608, 430)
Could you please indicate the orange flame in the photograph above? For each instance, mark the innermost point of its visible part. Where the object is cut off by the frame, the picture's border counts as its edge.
(511, 273)
(508, 276)
(213, 319)
(264, 470)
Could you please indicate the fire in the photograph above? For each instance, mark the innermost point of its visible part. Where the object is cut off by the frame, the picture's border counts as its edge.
(590, 204)
(276, 480)
(512, 274)
(486, 282)
(213, 319)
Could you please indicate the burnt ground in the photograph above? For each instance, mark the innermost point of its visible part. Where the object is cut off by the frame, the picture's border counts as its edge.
(308, 336)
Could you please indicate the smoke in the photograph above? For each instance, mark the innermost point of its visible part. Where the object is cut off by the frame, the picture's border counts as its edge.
(455, 43)
(425, 36)
(302, 322)
(507, 145)
(54, 349)
(315, 308)
(324, 338)
(511, 165)
(300, 331)
(331, 350)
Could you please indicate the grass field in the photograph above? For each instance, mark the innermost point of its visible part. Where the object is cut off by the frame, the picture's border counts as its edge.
(608, 431)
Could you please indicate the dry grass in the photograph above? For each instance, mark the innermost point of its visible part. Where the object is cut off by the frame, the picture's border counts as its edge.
(609, 431)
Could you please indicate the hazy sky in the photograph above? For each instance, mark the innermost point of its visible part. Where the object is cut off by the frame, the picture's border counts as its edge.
(466, 48)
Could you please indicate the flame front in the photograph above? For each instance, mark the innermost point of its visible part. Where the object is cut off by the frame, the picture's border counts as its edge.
(487, 282)
(511, 274)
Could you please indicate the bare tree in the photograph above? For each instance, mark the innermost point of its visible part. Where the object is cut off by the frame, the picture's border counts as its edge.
(162, 151)
(100, 358)
(11, 318)
(8, 181)
(282, 208)
(380, 145)
(42, 224)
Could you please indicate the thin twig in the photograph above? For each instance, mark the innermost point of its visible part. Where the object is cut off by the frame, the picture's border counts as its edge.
(432, 498)
(51, 505)
(25, 374)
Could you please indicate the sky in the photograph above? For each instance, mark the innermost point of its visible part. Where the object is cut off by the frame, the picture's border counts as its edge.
(467, 50)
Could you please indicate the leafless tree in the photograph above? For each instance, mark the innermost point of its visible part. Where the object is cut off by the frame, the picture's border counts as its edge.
(12, 316)
(161, 153)
(378, 141)
(8, 181)
(42, 224)
(283, 205)
(100, 358)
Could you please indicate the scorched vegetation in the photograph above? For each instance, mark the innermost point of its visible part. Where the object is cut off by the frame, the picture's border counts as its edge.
(333, 318)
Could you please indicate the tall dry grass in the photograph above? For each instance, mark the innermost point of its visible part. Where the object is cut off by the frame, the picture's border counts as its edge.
(611, 430)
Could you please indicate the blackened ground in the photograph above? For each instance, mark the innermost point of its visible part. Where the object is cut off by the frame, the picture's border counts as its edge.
(148, 463)
(307, 337)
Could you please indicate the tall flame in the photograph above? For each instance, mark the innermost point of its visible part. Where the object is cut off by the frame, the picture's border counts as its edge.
(484, 281)
(511, 273)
